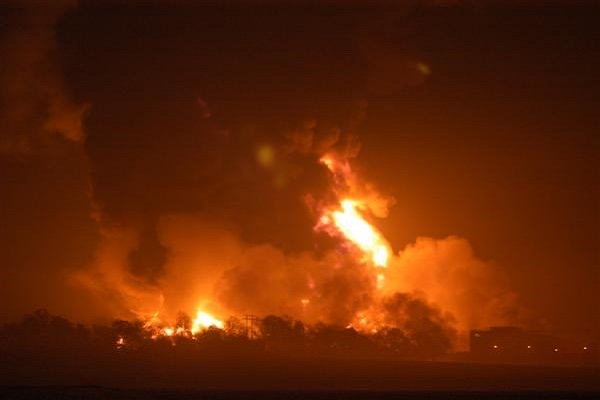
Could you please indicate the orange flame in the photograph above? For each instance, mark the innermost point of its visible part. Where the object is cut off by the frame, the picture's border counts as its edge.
(348, 221)
(357, 230)
(204, 320)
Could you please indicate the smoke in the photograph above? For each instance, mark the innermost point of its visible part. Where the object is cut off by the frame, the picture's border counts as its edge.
(34, 103)
(435, 290)
(422, 323)
(264, 280)
(121, 293)
(200, 249)
(205, 203)
(446, 272)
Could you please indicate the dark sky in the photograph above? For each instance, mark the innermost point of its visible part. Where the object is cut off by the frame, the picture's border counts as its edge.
(481, 121)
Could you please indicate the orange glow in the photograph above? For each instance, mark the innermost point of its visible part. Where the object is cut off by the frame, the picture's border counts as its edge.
(168, 331)
(380, 280)
(204, 321)
(348, 219)
(351, 224)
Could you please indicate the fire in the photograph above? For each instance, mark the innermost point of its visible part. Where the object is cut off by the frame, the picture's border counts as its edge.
(168, 331)
(204, 320)
(357, 230)
(348, 220)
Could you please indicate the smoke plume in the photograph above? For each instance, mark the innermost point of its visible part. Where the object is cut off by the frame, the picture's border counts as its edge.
(205, 203)
(34, 102)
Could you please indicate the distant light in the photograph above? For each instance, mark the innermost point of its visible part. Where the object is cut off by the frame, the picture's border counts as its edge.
(265, 155)
(495, 346)
(528, 346)
(555, 350)
(423, 68)
(585, 347)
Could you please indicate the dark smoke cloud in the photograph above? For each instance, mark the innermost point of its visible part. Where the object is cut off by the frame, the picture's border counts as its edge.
(204, 191)
(200, 177)
(34, 101)
(184, 142)
(424, 324)
(329, 289)
(46, 233)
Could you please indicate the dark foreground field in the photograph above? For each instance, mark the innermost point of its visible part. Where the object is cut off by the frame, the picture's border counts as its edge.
(99, 393)
(134, 371)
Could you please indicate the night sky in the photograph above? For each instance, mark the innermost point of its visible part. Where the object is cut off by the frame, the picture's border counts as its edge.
(481, 121)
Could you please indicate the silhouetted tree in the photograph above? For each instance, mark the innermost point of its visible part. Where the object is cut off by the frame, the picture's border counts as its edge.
(275, 328)
(392, 340)
(183, 321)
(428, 330)
(234, 327)
(131, 333)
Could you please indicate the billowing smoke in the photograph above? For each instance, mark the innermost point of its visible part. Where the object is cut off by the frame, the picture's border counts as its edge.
(208, 203)
(446, 272)
(34, 102)
(422, 323)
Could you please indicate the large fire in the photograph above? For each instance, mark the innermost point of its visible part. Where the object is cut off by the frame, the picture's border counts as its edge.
(204, 320)
(347, 220)
(357, 230)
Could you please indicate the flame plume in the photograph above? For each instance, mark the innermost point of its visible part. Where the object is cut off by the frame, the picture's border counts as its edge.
(347, 219)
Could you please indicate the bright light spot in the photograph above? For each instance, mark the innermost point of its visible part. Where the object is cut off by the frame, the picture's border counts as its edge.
(555, 350)
(585, 347)
(495, 346)
(327, 161)
(265, 155)
(380, 280)
(204, 320)
(380, 255)
(528, 346)
(168, 331)
(305, 302)
(354, 227)
(423, 68)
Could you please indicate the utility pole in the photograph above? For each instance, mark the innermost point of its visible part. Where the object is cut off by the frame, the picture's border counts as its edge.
(251, 325)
